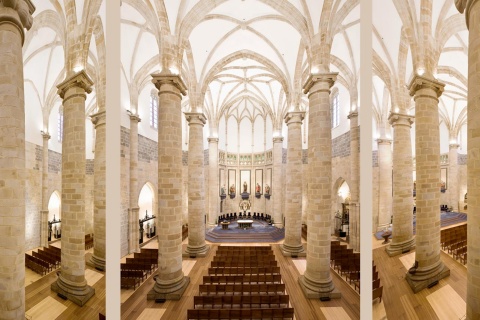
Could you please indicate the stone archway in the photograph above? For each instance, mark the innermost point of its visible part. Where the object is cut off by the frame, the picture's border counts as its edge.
(340, 203)
(147, 208)
(54, 215)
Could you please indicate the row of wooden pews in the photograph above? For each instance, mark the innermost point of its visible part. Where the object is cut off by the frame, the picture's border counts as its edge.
(137, 269)
(376, 287)
(345, 261)
(242, 283)
(454, 241)
(44, 260)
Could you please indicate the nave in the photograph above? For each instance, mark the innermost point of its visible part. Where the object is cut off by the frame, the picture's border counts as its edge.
(136, 306)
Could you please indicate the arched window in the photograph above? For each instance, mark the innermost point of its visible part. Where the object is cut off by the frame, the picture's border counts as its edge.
(335, 109)
(154, 110)
(60, 125)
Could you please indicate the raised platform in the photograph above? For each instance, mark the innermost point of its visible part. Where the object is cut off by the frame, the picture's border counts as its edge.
(260, 232)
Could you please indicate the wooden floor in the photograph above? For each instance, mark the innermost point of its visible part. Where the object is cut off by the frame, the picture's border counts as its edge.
(348, 307)
(443, 301)
(41, 301)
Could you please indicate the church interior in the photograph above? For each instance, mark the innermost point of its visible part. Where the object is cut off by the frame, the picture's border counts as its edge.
(239, 159)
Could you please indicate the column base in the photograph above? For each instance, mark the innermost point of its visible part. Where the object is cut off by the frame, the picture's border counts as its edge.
(79, 296)
(96, 262)
(194, 252)
(396, 248)
(169, 292)
(422, 279)
(293, 251)
(318, 290)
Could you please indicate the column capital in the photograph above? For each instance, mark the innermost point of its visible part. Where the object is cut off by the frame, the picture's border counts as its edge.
(212, 140)
(465, 5)
(353, 114)
(99, 118)
(385, 141)
(134, 117)
(400, 119)
(294, 117)
(24, 10)
(277, 139)
(79, 80)
(174, 80)
(453, 146)
(195, 118)
(45, 135)
(328, 78)
(421, 82)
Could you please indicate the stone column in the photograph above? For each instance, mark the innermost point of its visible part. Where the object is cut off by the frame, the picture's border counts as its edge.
(277, 182)
(99, 197)
(134, 226)
(12, 150)
(317, 281)
(213, 182)
(385, 183)
(71, 280)
(472, 16)
(292, 246)
(402, 205)
(196, 187)
(452, 177)
(427, 154)
(170, 282)
(354, 206)
(44, 211)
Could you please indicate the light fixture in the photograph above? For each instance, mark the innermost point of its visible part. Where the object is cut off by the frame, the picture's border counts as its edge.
(420, 71)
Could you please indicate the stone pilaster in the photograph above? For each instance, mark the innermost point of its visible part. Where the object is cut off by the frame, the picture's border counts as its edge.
(134, 236)
(354, 207)
(385, 182)
(170, 282)
(213, 182)
(196, 190)
(12, 150)
(452, 176)
(44, 211)
(99, 197)
(317, 281)
(71, 280)
(292, 246)
(427, 155)
(472, 15)
(402, 205)
(277, 182)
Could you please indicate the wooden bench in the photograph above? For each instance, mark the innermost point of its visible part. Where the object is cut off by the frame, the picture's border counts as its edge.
(129, 282)
(251, 263)
(242, 279)
(243, 271)
(246, 289)
(221, 302)
(264, 314)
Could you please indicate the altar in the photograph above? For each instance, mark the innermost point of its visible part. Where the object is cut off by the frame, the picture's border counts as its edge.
(244, 223)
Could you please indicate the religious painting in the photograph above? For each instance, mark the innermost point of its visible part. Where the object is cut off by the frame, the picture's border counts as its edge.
(232, 186)
(245, 181)
(443, 179)
(221, 182)
(258, 181)
(268, 182)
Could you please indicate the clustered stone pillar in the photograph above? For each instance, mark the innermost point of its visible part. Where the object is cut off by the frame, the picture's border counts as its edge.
(292, 245)
(170, 281)
(44, 211)
(402, 206)
(134, 232)
(354, 206)
(99, 199)
(213, 182)
(429, 267)
(385, 183)
(472, 16)
(196, 192)
(71, 281)
(277, 182)
(12, 149)
(453, 175)
(317, 281)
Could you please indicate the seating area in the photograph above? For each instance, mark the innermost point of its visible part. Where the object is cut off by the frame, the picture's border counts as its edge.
(245, 215)
(44, 260)
(137, 269)
(454, 241)
(242, 283)
(376, 287)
